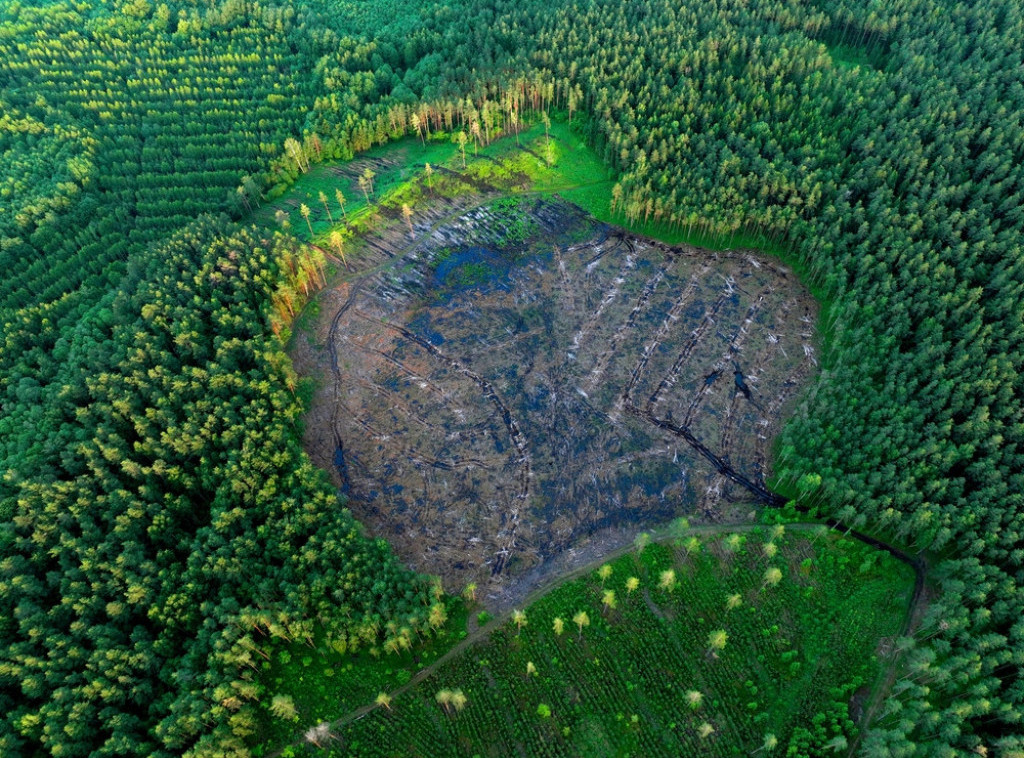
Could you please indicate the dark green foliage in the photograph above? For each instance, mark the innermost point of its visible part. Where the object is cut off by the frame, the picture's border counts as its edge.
(182, 526)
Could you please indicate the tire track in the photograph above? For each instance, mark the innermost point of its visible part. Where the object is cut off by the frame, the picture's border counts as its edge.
(702, 393)
(684, 355)
(523, 463)
(735, 343)
(609, 296)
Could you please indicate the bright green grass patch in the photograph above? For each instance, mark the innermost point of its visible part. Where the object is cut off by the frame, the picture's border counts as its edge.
(580, 176)
(622, 680)
(850, 56)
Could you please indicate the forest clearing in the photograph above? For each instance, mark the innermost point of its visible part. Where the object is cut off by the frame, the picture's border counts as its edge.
(484, 369)
(507, 389)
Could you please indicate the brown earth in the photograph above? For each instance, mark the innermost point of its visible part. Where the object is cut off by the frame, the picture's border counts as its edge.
(475, 377)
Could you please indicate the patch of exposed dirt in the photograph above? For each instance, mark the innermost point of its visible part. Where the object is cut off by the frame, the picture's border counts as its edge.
(487, 388)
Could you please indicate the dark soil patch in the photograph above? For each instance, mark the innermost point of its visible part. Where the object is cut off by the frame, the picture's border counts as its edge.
(488, 389)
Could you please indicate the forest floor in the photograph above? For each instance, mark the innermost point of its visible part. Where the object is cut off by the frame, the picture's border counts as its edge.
(476, 365)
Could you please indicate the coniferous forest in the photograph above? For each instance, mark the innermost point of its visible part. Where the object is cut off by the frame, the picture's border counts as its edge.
(160, 524)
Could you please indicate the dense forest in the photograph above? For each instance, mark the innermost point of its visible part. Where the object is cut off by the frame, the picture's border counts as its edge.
(159, 523)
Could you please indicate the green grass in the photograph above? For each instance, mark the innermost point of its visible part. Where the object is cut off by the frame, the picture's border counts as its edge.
(406, 159)
(324, 682)
(795, 654)
(762, 683)
(851, 56)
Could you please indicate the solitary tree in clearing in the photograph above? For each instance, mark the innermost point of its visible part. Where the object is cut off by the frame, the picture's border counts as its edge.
(770, 550)
(469, 593)
(323, 199)
(604, 572)
(581, 619)
(462, 139)
(772, 577)
(631, 584)
(340, 197)
(304, 210)
(667, 581)
(694, 699)
(519, 619)
(474, 129)
(444, 698)
(458, 700)
(705, 730)
(531, 670)
(716, 641)
(733, 601)
(407, 214)
(338, 243)
(384, 700)
(558, 625)
(428, 171)
(608, 599)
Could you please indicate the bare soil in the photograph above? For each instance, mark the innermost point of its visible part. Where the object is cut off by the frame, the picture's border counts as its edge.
(486, 385)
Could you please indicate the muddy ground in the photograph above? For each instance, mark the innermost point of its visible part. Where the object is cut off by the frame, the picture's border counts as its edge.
(486, 385)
